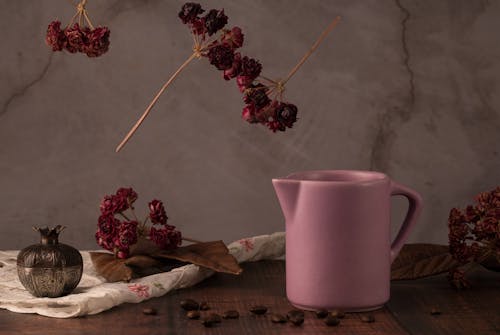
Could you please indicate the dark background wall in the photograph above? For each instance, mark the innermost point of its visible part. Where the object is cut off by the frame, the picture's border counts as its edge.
(410, 88)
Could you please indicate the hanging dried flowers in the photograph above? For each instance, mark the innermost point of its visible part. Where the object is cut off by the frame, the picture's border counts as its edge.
(263, 97)
(79, 35)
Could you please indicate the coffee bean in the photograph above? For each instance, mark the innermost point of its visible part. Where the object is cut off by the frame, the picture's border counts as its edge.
(149, 311)
(259, 310)
(367, 318)
(231, 314)
(204, 306)
(337, 313)
(321, 314)
(278, 318)
(193, 315)
(295, 313)
(211, 320)
(332, 321)
(435, 311)
(190, 305)
(296, 320)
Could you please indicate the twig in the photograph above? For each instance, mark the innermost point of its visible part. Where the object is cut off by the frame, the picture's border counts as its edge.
(153, 102)
(314, 47)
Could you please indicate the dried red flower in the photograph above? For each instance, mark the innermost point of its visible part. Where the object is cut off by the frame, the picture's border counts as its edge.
(107, 228)
(112, 204)
(97, 42)
(55, 37)
(127, 235)
(157, 212)
(221, 56)
(250, 68)
(286, 114)
(189, 12)
(235, 69)
(233, 38)
(474, 235)
(75, 39)
(257, 95)
(215, 20)
(128, 194)
(166, 238)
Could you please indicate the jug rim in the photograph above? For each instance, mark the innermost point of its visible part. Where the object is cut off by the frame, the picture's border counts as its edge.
(335, 176)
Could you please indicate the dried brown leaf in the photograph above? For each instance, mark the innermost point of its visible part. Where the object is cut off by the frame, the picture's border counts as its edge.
(422, 260)
(213, 255)
(111, 268)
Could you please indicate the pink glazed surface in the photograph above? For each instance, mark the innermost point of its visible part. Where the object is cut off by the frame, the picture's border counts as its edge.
(338, 248)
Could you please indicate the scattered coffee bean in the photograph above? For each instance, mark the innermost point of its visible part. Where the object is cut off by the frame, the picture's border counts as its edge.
(193, 315)
(337, 313)
(278, 318)
(211, 320)
(435, 311)
(259, 310)
(296, 320)
(332, 321)
(295, 313)
(149, 311)
(367, 318)
(321, 314)
(231, 314)
(190, 305)
(204, 306)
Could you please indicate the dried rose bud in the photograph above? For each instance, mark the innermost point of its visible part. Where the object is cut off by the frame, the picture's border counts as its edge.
(257, 95)
(250, 68)
(157, 212)
(235, 69)
(107, 230)
(189, 12)
(233, 38)
(286, 114)
(221, 56)
(74, 39)
(97, 42)
(55, 37)
(215, 20)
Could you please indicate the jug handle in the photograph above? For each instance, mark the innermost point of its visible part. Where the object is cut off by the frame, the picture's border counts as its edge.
(414, 209)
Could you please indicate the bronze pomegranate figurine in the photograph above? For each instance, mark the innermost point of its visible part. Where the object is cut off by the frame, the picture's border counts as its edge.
(49, 269)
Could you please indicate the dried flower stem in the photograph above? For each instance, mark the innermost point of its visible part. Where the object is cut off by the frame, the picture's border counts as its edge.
(314, 47)
(153, 102)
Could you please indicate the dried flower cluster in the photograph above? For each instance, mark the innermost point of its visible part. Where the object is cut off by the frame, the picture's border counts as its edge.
(221, 52)
(474, 234)
(77, 37)
(263, 97)
(118, 235)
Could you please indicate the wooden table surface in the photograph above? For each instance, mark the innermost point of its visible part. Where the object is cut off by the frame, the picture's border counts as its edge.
(475, 311)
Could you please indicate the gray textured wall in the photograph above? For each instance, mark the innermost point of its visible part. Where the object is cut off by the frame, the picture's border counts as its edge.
(410, 88)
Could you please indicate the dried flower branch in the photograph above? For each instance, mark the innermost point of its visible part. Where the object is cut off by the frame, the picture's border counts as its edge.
(264, 100)
(119, 236)
(77, 36)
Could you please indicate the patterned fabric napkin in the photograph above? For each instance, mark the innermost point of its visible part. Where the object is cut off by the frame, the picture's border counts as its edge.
(93, 295)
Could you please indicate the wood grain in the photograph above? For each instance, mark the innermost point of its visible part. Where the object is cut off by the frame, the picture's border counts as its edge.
(263, 283)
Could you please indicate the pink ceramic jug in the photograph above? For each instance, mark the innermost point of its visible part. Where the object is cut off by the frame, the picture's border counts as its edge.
(338, 248)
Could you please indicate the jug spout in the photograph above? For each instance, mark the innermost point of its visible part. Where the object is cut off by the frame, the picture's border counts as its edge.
(287, 191)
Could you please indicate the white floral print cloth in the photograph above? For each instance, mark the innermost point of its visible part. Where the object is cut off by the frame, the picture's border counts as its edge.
(94, 295)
